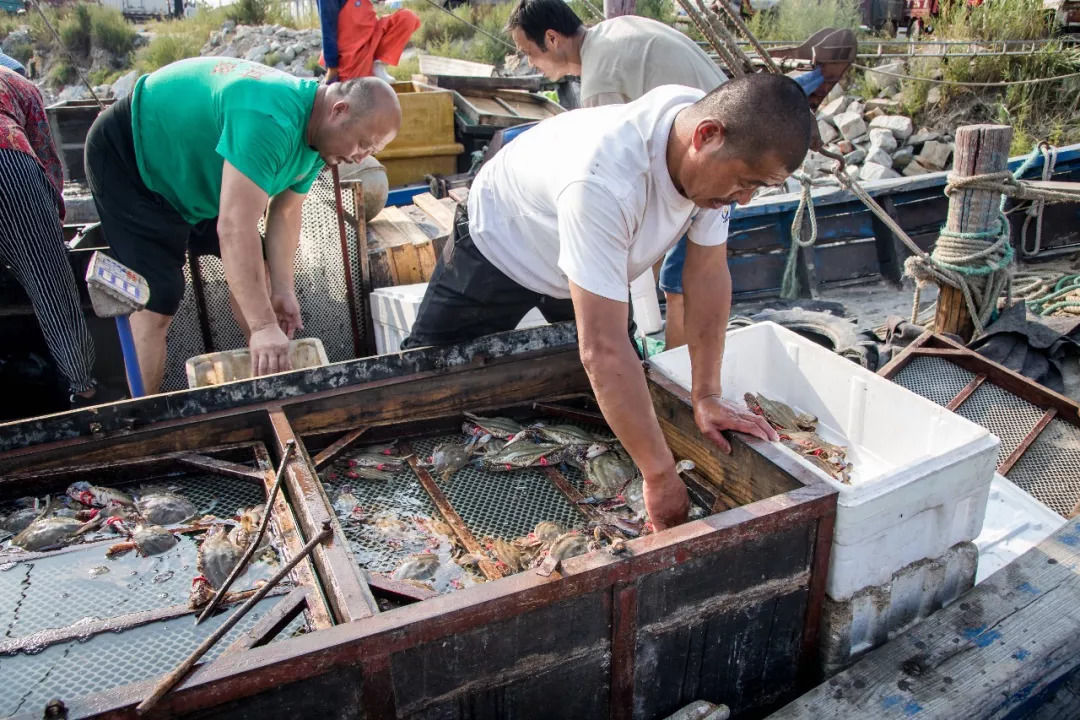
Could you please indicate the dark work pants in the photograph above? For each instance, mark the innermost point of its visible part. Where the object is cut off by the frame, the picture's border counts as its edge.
(468, 297)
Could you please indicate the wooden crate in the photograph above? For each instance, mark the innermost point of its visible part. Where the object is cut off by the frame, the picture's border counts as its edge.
(404, 243)
(425, 143)
(724, 608)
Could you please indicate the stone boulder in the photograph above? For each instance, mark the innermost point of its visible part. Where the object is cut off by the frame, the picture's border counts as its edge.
(874, 171)
(827, 132)
(935, 155)
(901, 126)
(882, 138)
(850, 125)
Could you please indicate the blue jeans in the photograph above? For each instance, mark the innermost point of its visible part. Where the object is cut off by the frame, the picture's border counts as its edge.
(671, 270)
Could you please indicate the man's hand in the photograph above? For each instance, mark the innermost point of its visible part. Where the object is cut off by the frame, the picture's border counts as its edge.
(269, 351)
(287, 310)
(713, 414)
(331, 76)
(666, 500)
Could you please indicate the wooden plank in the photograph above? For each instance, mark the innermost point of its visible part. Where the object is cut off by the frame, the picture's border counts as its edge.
(398, 589)
(1016, 454)
(349, 595)
(362, 255)
(426, 253)
(987, 655)
(438, 65)
(220, 467)
(332, 450)
(406, 262)
(319, 614)
(441, 211)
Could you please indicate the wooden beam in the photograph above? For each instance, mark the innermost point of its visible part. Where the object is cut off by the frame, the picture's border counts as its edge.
(987, 655)
(335, 448)
(273, 622)
(979, 149)
(221, 467)
(440, 210)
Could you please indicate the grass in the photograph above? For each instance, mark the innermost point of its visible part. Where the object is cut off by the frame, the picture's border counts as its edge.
(62, 73)
(441, 34)
(1036, 111)
(799, 19)
(178, 39)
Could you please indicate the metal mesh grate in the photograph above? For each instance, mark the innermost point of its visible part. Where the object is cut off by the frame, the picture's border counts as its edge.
(934, 378)
(1049, 469)
(1009, 417)
(503, 505)
(376, 546)
(320, 289)
(58, 590)
(76, 669)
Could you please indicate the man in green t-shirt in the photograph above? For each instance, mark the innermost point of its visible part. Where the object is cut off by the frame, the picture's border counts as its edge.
(195, 156)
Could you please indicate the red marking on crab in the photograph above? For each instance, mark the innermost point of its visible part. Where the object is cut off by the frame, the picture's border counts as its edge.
(543, 462)
(85, 497)
(352, 463)
(387, 451)
(509, 466)
(331, 475)
(380, 466)
(94, 513)
(199, 579)
(352, 475)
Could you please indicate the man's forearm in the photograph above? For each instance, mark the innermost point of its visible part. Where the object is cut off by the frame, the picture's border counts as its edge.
(241, 255)
(618, 382)
(282, 239)
(707, 301)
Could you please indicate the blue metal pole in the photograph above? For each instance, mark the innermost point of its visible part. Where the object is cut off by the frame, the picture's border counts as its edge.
(131, 359)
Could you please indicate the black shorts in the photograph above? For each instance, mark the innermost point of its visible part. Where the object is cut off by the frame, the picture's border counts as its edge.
(468, 297)
(143, 230)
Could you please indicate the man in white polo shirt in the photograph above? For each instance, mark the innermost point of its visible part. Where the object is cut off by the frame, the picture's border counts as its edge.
(564, 216)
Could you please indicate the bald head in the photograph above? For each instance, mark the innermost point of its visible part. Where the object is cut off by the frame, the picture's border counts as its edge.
(761, 114)
(355, 119)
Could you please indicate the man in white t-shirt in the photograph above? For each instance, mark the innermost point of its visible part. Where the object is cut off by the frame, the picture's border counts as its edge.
(565, 215)
(618, 61)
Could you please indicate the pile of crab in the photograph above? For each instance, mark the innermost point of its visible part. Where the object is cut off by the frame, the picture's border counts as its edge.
(150, 521)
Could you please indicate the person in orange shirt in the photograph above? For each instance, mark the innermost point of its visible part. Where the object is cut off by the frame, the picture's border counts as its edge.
(356, 43)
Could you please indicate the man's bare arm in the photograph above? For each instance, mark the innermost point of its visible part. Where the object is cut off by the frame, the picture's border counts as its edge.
(242, 204)
(282, 239)
(707, 288)
(618, 381)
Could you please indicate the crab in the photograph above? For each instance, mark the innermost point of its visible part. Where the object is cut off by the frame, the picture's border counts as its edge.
(160, 507)
(420, 568)
(497, 427)
(243, 534)
(218, 555)
(98, 496)
(568, 545)
(147, 540)
(448, 458)
(46, 532)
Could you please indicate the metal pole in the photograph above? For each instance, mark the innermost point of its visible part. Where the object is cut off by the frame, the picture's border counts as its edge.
(176, 676)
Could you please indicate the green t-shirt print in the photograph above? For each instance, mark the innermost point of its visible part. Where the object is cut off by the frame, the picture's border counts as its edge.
(189, 117)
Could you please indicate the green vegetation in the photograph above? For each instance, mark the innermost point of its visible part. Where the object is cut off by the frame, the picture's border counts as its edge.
(799, 19)
(451, 36)
(406, 69)
(1037, 111)
(178, 39)
(62, 73)
(662, 10)
(259, 12)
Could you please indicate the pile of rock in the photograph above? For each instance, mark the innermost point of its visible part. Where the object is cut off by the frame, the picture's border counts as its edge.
(294, 51)
(876, 142)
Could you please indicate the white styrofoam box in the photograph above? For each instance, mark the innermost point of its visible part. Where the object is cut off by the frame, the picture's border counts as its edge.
(1015, 522)
(394, 310)
(920, 475)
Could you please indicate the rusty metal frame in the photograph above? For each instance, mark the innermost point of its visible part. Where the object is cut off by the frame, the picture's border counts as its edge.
(362, 644)
(1053, 404)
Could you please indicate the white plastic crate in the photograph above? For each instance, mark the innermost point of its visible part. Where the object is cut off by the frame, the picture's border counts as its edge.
(921, 473)
(394, 310)
(1015, 522)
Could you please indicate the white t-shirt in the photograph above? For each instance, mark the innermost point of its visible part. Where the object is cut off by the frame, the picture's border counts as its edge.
(586, 197)
(625, 57)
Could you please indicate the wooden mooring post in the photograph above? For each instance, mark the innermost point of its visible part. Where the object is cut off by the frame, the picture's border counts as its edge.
(980, 149)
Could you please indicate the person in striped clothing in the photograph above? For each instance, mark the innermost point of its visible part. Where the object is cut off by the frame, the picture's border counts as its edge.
(31, 235)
